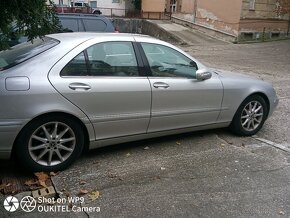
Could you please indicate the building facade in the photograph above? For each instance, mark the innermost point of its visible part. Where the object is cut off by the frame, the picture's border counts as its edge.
(107, 7)
(264, 19)
(240, 19)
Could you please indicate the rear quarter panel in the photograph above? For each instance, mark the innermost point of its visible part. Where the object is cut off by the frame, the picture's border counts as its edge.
(19, 107)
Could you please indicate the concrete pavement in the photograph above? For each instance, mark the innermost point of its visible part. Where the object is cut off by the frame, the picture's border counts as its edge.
(187, 35)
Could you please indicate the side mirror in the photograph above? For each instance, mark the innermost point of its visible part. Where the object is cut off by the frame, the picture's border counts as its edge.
(203, 74)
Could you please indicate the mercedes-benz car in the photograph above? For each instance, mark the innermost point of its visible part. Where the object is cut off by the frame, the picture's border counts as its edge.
(70, 92)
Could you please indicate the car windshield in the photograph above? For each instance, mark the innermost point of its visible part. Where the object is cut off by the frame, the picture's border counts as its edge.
(25, 51)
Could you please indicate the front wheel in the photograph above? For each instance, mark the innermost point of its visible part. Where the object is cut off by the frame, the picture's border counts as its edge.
(49, 144)
(250, 116)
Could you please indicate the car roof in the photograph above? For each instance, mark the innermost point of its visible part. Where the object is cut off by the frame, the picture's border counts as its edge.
(84, 36)
(81, 16)
(109, 26)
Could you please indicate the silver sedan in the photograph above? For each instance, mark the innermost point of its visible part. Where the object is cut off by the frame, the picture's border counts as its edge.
(70, 92)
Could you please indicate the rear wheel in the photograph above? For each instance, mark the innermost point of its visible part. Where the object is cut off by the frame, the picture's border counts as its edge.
(250, 116)
(49, 144)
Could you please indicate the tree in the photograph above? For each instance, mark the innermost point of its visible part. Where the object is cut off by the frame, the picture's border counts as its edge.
(137, 4)
(31, 18)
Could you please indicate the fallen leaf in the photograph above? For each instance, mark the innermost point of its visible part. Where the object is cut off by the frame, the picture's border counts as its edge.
(82, 182)
(31, 182)
(94, 195)
(42, 177)
(2, 186)
(83, 192)
(52, 174)
(112, 175)
(70, 205)
(43, 184)
(67, 194)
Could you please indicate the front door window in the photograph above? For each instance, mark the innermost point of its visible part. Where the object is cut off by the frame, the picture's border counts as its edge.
(167, 62)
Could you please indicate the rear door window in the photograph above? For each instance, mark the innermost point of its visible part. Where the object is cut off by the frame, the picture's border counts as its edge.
(104, 59)
(69, 25)
(94, 25)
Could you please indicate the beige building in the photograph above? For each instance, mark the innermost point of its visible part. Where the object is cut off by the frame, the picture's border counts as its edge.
(239, 19)
(153, 5)
(184, 6)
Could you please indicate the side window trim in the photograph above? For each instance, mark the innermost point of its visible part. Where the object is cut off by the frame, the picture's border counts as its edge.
(86, 66)
(81, 23)
(87, 62)
(146, 68)
(141, 66)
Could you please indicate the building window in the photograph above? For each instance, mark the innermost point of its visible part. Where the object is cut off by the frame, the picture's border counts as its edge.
(252, 4)
(173, 5)
(116, 1)
(93, 4)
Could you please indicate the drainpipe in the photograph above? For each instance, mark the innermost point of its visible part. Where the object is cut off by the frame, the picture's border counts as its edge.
(288, 25)
(194, 10)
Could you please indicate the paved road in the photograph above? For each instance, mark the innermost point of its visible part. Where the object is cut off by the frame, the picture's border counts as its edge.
(203, 174)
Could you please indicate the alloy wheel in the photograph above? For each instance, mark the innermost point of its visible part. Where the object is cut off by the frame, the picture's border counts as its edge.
(52, 143)
(252, 116)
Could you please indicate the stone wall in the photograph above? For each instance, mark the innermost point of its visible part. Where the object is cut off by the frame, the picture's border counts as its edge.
(262, 21)
(145, 27)
(263, 9)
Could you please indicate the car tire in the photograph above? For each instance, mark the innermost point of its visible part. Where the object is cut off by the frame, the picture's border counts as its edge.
(250, 116)
(50, 143)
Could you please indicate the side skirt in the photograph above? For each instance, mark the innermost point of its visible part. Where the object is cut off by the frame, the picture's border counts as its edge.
(123, 139)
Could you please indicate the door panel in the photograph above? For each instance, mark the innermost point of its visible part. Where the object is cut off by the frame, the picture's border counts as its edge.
(184, 103)
(115, 106)
(110, 92)
(179, 100)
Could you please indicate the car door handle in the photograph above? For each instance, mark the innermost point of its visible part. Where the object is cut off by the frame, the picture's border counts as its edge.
(75, 86)
(160, 85)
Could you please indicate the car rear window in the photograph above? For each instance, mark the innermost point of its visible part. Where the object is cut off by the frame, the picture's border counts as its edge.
(25, 51)
(94, 25)
(69, 25)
